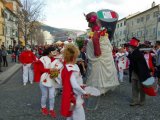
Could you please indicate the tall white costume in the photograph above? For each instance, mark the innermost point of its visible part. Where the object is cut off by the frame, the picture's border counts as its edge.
(102, 71)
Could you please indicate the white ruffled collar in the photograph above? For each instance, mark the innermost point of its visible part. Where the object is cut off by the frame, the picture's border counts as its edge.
(71, 67)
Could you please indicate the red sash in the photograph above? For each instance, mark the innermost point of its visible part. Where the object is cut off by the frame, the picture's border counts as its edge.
(67, 93)
(96, 44)
(151, 66)
(39, 70)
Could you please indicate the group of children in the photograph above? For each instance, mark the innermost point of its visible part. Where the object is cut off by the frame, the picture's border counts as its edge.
(69, 78)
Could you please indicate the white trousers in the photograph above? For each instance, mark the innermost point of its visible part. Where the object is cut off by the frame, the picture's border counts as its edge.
(78, 114)
(27, 73)
(45, 92)
(120, 75)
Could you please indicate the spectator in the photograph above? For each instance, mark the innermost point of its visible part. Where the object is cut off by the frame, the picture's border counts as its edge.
(4, 56)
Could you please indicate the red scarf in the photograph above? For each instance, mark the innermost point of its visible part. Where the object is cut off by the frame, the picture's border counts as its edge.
(67, 93)
(96, 44)
(150, 62)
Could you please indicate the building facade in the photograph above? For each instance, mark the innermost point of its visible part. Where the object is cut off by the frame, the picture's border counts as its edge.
(2, 24)
(144, 25)
(11, 28)
(120, 33)
(16, 7)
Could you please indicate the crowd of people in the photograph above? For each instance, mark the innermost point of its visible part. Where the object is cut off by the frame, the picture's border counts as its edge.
(11, 55)
(97, 64)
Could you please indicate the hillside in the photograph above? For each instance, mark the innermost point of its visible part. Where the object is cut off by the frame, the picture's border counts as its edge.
(61, 33)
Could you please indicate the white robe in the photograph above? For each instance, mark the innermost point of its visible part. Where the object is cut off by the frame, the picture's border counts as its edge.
(102, 72)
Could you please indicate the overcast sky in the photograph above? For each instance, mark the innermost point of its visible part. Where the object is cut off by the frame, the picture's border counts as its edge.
(69, 13)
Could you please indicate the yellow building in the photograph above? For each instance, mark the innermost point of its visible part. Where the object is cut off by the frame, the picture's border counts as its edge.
(2, 24)
(15, 6)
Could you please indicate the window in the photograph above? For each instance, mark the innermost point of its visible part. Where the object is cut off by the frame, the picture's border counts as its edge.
(137, 33)
(121, 24)
(8, 30)
(124, 32)
(16, 33)
(141, 19)
(158, 18)
(5, 15)
(124, 23)
(117, 25)
(146, 32)
(132, 23)
(11, 32)
(147, 17)
(154, 30)
(155, 14)
(138, 20)
(158, 33)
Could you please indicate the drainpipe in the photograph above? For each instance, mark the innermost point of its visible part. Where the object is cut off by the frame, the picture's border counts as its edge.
(158, 17)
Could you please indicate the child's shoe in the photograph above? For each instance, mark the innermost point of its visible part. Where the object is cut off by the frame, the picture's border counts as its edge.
(52, 113)
(44, 111)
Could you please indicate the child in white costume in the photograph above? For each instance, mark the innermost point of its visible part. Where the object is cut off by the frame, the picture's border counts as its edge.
(71, 105)
(48, 85)
(121, 61)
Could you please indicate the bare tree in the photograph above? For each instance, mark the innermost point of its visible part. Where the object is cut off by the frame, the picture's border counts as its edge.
(39, 37)
(32, 12)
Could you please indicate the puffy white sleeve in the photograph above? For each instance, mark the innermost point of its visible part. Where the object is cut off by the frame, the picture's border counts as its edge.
(75, 85)
(126, 53)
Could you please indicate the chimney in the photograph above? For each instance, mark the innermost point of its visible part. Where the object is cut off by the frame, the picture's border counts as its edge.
(153, 4)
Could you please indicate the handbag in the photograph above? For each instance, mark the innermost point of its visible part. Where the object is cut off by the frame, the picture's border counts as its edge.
(150, 86)
(149, 82)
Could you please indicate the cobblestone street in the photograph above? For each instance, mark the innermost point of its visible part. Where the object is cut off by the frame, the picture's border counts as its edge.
(23, 103)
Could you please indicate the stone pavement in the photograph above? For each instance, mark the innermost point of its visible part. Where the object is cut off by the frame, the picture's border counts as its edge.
(10, 70)
(18, 102)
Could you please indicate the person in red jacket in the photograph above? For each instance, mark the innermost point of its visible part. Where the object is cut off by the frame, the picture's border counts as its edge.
(27, 58)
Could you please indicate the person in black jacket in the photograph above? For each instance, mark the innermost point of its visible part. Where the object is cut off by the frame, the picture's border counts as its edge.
(139, 72)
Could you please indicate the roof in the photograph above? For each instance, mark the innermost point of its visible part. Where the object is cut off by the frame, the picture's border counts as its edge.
(144, 11)
(132, 15)
(122, 19)
(11, 12)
